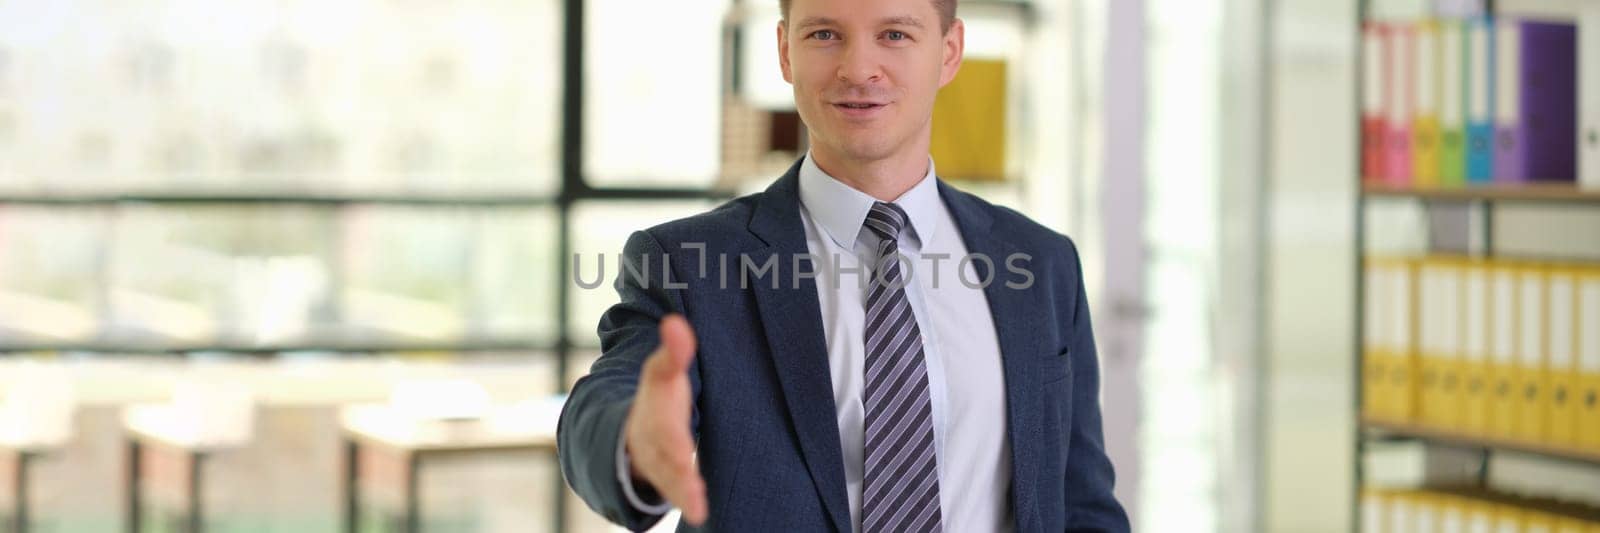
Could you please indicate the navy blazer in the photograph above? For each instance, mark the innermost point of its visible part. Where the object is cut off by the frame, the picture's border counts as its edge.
(764, 418)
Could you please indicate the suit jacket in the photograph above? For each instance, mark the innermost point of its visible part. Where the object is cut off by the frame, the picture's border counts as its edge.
(764, 416)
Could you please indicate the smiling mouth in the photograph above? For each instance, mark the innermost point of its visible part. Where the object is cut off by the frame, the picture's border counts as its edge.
(859, 109)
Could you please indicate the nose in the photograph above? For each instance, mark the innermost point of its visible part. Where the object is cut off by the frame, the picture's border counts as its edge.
(859, 66)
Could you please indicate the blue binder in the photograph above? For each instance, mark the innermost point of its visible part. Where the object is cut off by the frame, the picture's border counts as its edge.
(1480, 99)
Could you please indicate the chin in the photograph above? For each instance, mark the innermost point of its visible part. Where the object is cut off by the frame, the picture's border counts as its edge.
(864, 146)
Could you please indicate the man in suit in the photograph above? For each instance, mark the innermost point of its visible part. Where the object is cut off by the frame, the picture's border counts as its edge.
(860, 347)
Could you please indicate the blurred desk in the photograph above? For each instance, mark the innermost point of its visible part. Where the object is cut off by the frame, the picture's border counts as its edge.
(525, 427)
(160, 427)
(20, 456)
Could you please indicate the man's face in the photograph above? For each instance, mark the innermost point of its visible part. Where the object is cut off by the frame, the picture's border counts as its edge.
(865, 72)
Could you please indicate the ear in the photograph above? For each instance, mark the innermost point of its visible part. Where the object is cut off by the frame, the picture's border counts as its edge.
(955, 44)
(783, 51)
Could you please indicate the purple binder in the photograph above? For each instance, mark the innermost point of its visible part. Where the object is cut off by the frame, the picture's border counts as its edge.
(1538, 140)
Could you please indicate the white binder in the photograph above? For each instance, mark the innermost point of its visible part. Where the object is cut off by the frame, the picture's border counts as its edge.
(1589, 94)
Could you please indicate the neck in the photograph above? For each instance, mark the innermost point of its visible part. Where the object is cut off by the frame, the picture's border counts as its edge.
(884, 179)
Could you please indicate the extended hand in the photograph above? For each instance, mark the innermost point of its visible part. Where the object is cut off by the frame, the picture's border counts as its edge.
(659, 446)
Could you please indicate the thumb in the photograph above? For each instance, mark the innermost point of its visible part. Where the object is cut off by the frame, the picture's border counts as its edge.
(677, 338)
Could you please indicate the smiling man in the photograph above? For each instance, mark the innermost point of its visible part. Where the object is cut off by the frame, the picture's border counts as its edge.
(866, 367)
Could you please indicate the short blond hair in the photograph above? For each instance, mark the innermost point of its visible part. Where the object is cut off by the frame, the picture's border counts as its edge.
(946, 8)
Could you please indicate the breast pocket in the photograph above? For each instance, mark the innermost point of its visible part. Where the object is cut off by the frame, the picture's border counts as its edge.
(1058, 368)
(1056, 399)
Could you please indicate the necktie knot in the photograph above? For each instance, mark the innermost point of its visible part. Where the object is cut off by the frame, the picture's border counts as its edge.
(886, 220)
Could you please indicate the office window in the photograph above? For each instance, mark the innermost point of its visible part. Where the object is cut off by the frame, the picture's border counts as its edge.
(652, 112)
(514, 276)
(8, 122)
(48, 259)
(5, 72)
(456, 98)
(220, 274)
(1182, 384)
(407, 272)
(599, 230)
(760, 78)
(284, 97)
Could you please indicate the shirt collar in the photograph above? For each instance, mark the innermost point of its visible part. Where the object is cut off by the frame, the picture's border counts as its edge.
(842, 210)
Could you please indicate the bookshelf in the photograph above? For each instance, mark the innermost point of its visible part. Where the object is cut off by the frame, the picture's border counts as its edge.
(1474, 206)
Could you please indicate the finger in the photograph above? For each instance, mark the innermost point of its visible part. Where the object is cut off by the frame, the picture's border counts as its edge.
(673, 473)
(671, 358)
(680, 483)
(678, 338)
(693, 504)
(658, 367)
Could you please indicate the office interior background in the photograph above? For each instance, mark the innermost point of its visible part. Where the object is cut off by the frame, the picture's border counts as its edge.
(292, 265)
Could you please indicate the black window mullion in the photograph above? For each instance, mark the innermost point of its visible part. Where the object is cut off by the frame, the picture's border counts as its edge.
(571, 183)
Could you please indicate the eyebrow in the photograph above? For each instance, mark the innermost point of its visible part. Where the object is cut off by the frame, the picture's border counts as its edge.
(903, 20)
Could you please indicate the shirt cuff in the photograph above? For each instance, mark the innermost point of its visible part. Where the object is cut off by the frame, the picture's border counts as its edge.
(659, 507)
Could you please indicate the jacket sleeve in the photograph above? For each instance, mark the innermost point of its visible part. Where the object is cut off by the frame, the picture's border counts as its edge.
(590, 429)
(1090, 479)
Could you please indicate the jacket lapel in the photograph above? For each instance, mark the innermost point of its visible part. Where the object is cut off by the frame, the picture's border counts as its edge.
(792, 320)
(1016, 321)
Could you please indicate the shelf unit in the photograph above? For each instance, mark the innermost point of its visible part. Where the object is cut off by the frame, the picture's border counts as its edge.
(1531, 193)
(1377, 430)
(1483, 199)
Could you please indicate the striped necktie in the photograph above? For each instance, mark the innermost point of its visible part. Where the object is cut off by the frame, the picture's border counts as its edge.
(901, 480)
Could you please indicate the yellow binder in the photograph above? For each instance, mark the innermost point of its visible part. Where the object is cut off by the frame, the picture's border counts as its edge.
(1532, 381)
(1439, 294)
(1452, 511)
(1374, 370)
(1450, 362)
(1475, 347)
(1567, 524)
(1374, 503)
(1402, 512)
(1507, 519)
(969, 122)
(1588, 395)
(1479, 514)
(1561, 412)
(1403, 348)
(1430, 331)
(1427, 48)
(1535, 521)
(1502, 350)
(1425, 509)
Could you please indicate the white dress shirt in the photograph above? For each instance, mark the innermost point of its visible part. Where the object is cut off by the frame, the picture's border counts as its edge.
(966, 381)
(958, 338)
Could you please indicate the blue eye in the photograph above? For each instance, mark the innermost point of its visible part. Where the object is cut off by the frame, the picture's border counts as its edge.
(825, 35)
(896, 35)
